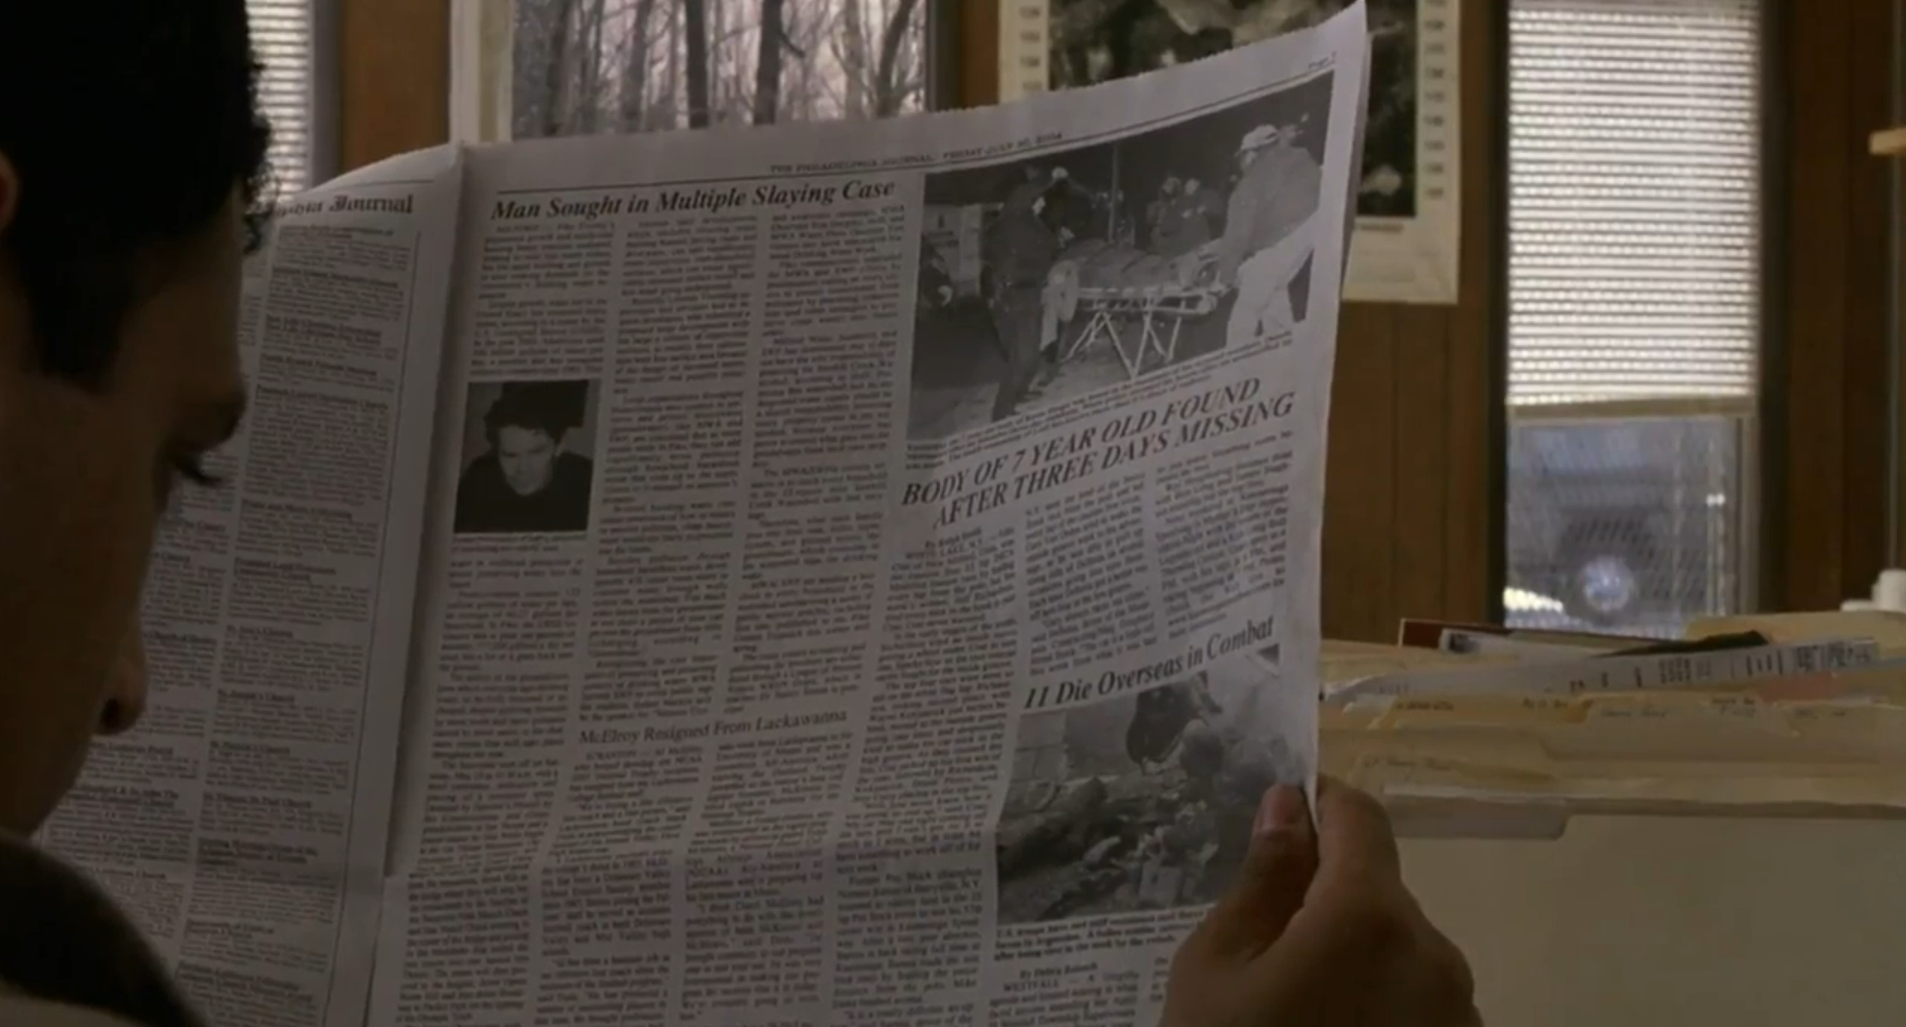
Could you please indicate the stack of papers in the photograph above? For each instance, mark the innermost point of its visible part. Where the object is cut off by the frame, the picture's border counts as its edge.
(1788, 715)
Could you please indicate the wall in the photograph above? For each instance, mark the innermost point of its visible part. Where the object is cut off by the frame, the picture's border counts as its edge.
(393, 78)
(1413, 507)
(1414, 481)
(1826, 370)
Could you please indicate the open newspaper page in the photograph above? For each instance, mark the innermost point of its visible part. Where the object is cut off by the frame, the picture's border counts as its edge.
(244, 822)
(872, 576)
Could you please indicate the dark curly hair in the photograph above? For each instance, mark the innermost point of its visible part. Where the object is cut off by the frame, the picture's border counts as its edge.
(552, 408)
(127, 132)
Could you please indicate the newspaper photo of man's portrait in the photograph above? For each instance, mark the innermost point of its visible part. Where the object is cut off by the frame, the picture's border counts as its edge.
(1140, 802)
(1048, 278)
(527, 466)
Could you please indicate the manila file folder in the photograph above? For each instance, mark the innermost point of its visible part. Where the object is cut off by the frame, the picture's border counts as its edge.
(1726, 858)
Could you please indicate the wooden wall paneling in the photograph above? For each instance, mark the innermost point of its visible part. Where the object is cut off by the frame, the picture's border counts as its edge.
(1826, 471)
(979, 51)
(1360, 507)
(1816, 213)
(1475, 495)
(1443, 536)
(393, 75)
(1445, 460)
(1869, 213)
(1770, 516)
(1895, 178)
(1421, 389)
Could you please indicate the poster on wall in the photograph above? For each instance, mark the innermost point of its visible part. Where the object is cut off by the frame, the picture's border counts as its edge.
(1408, 239)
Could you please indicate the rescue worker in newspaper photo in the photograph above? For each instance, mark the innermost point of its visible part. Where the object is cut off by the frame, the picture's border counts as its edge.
(1068, 271)
(1267, 238)
(1140, 802)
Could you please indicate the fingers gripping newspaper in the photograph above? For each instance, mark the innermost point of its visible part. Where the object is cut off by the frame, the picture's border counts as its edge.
(863, 573)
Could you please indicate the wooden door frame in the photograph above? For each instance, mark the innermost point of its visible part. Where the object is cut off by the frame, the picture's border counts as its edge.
(392, 77)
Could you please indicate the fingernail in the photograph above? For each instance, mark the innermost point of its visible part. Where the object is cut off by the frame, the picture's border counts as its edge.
(1281, 810)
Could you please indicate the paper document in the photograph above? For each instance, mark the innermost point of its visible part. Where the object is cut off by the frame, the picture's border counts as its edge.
(1522, 764)
(832, 574)
(1617, 673)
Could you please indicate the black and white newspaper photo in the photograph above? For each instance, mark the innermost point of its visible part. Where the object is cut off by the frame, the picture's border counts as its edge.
(1052, 277)
(1408, 205)
(528, 451)
(1143, 802)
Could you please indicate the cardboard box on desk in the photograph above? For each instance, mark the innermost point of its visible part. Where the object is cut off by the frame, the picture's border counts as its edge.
(1725, 857)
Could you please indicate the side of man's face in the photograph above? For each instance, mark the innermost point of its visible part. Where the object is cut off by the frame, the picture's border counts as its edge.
(528, 458)
(84, 477)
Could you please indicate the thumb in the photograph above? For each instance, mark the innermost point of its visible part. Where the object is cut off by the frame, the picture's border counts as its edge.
(1272, 881)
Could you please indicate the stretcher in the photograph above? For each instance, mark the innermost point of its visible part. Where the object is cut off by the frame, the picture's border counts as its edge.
(1113, 285)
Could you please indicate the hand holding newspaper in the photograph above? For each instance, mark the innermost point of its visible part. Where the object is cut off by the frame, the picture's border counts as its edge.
(831, 574)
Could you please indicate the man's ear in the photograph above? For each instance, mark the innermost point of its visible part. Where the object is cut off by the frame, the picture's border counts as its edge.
(9, 193)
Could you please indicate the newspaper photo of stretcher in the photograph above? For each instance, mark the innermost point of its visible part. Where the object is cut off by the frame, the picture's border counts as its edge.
(1044, 280)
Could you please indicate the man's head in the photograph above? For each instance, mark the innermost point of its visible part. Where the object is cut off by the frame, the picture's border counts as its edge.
(120, 251)
(526, 426)
(1171, 185)
(1192, 186)
(1256, 141)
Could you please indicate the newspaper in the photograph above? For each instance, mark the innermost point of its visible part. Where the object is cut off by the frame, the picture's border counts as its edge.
(803, 575)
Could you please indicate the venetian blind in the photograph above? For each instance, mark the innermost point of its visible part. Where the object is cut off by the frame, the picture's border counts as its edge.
(1634, 203)
(282, 37)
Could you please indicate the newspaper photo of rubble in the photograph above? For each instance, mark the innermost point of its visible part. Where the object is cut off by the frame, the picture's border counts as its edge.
(1141, 802)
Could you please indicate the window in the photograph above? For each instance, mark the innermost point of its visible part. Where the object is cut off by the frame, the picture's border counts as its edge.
(1634, 322)
(282, 35)
(583, 66)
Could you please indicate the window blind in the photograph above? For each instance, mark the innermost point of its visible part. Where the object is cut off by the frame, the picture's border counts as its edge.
(1634, 203)
(282, 37)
